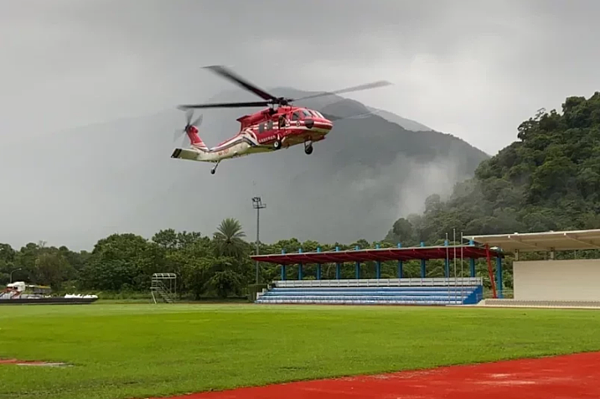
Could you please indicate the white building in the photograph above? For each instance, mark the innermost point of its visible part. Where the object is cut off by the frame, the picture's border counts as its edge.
(572, 282)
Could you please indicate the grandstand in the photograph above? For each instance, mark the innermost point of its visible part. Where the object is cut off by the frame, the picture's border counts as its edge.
(446, 290)
(410, 291)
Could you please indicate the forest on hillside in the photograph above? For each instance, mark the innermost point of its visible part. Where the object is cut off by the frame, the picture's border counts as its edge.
(546, 180)
(549, 179)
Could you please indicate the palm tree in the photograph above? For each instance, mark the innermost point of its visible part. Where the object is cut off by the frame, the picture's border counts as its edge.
(229, 238)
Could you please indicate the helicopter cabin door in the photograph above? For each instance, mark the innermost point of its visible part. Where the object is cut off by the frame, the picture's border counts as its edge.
(281, 122)
(265, 130)
(295, 118)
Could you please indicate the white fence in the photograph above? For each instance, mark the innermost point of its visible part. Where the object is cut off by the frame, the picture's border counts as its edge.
(392, 282)
(544, 304)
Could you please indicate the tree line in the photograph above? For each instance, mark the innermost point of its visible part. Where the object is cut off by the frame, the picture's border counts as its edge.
(206, 266)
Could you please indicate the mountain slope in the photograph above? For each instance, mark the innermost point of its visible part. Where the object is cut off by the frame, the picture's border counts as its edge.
(407, 124)
(547, 180)
(95, 180)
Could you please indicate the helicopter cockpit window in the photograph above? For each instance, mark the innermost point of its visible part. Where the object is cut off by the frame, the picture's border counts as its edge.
(269, 125)
(306, 113)
(295, 116)
(261, 128)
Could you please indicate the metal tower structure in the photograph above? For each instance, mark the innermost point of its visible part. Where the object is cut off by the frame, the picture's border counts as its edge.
(164, 287)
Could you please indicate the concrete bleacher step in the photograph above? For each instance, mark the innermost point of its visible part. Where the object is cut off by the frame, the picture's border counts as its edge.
(276, 292)
(357, 302)
(390, 289)
(363, 297)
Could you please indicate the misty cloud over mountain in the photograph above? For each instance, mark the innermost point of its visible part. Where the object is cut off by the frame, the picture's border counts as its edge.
(120, 178)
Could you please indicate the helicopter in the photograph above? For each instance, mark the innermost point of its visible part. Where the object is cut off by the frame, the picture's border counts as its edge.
(279, 125)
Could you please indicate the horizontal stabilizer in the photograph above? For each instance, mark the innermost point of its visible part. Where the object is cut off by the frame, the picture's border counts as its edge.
(182, 153)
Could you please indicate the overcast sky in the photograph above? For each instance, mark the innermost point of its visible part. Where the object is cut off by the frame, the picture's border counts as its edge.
(475, 69)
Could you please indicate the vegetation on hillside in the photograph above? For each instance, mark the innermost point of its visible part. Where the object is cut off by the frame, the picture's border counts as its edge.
(549, 179)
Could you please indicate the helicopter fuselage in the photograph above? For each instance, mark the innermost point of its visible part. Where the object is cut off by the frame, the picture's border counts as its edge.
(265, 131)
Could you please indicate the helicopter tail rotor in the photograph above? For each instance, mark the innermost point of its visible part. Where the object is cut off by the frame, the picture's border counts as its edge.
(190, 126)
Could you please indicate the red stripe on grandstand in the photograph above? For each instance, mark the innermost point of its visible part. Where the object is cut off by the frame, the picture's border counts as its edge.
(381, 254)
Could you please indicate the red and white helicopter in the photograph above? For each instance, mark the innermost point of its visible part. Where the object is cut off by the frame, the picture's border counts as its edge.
(278, 126)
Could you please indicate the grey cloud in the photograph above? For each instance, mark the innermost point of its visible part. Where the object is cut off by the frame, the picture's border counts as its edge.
(472, 68)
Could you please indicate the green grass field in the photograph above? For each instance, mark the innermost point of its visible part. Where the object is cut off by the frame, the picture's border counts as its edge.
(140, 350)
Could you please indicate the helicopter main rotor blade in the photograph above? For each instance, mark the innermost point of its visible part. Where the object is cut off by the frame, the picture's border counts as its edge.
(225, 105)
(334, 118)
(361, 115)
(365, 86)
(227, 74)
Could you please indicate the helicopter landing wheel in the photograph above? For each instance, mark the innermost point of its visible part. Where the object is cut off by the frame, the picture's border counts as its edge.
(308, 149)
(277, 144)
(214, 169)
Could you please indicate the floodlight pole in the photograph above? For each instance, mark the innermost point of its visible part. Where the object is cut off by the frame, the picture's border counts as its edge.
(258, 205)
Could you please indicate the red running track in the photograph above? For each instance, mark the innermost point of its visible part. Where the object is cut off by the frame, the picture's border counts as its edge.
(561, 377)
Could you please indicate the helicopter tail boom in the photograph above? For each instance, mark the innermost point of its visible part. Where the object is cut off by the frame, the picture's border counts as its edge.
(193, 154)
